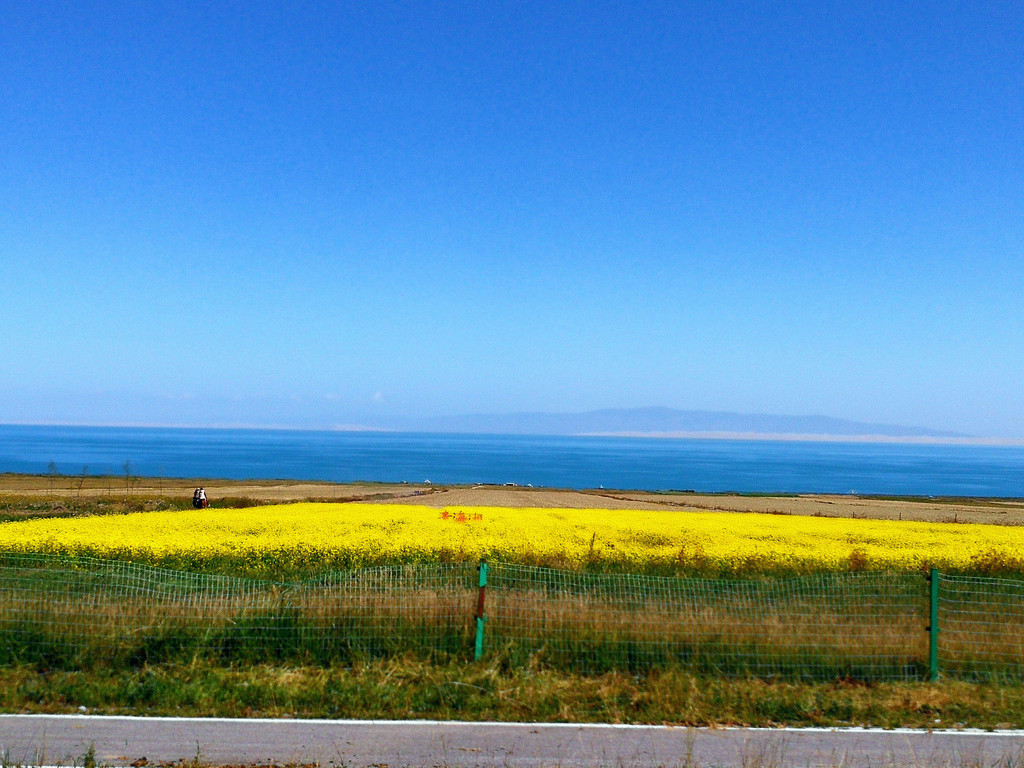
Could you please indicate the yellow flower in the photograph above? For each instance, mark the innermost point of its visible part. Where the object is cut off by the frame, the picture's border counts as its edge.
(310, 537)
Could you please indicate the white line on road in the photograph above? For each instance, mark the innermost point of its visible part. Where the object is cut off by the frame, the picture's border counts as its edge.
(1010, 733)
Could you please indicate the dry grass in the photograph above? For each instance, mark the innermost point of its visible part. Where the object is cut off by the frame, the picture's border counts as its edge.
(36, 488)
(270, 491)
(82, 618)
(404, 687)
(990, 511)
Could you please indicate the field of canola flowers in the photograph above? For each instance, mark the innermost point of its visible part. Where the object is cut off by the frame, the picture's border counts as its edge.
(291, 539)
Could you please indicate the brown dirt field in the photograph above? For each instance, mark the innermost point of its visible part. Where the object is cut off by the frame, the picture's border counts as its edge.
(992, 511)
(67, 486)
(501, 496)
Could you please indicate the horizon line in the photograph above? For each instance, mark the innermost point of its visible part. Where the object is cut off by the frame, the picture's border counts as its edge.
(808, 437)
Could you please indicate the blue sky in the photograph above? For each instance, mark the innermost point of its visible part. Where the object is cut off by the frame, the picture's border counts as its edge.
(333, 213)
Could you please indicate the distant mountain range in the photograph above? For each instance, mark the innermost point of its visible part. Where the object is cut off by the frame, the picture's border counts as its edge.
(665, 421)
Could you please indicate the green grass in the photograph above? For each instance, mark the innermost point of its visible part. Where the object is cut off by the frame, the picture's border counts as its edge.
(80, 614)
(71, 615)
(408, 688)
(15, 507)
(166, 676)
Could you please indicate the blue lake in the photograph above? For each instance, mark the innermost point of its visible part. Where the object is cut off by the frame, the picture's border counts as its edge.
(559, 462)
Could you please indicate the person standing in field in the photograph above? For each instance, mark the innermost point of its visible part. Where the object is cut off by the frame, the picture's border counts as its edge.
(195, 499)
(203, 503)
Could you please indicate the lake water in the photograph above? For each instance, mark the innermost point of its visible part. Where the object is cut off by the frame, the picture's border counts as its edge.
(559, 462)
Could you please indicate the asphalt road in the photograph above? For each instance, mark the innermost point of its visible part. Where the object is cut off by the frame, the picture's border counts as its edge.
(40, 740)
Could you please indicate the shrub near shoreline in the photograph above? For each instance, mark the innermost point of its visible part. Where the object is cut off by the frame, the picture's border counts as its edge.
(296, 539)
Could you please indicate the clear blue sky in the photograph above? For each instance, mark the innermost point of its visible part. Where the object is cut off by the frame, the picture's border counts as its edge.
(329, 213)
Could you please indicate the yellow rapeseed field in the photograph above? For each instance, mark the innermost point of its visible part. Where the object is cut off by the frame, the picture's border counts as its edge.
(302, 538)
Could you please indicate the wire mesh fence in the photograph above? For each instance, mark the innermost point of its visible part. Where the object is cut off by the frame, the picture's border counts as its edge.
(980, 627)
(78, 613)
(863, 625)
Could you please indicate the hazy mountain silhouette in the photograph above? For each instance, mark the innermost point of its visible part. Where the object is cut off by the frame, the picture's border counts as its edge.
(664, 420)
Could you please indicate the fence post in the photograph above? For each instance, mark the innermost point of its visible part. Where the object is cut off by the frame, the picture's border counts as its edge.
(933, 625)
(479, 648)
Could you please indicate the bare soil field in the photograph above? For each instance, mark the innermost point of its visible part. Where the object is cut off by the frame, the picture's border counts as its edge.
(75, 486)
(937, 510)
(991, 511)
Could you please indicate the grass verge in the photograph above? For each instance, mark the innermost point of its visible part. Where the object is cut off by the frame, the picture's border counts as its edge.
(406, 688)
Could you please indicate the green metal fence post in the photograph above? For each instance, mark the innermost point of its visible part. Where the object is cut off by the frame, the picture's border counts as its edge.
(933, 625)
(479, 649)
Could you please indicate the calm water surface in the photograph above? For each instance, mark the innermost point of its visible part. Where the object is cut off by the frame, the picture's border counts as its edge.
(560, 462)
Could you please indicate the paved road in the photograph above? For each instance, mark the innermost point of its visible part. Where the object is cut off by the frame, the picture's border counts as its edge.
(63, 739)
